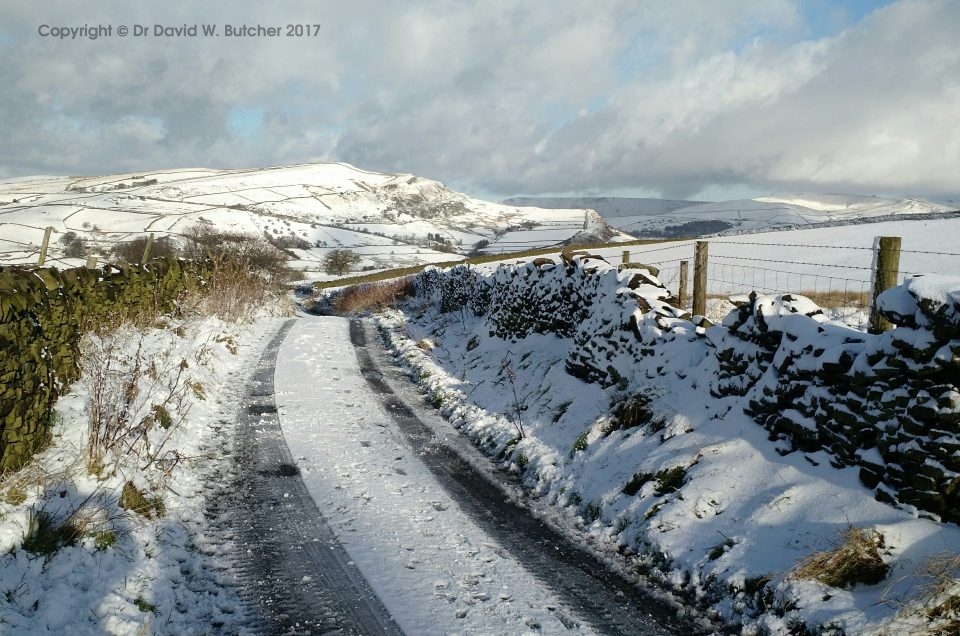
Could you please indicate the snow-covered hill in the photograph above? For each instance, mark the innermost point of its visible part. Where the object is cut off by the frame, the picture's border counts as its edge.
(611, 208)
(389, 219)
(667, 218)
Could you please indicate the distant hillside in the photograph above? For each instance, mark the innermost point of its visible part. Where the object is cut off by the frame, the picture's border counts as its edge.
(389, 219)
(611, 208)
(672, 219)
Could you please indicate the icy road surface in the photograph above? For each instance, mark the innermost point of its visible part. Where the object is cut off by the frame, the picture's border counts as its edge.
(434, 568)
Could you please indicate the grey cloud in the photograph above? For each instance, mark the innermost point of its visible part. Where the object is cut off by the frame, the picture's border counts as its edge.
(500, 96)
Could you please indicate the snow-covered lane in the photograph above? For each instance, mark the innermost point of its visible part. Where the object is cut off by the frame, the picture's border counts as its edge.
(434, 569)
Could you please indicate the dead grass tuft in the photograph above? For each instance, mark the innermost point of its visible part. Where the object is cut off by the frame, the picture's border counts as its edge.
(855, 559)
(45, 534)
(247, 273)
(372, 297)
(937, 602)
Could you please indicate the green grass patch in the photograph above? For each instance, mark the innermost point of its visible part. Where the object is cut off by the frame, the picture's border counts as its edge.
(45, 534)
(144, 606)
(133, 499)
(670, 480)
(580, 444)
(636, 483)
(103, 539)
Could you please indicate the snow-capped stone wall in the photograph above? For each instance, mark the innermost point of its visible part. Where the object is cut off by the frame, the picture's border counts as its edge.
(613, 315)
(888, 403)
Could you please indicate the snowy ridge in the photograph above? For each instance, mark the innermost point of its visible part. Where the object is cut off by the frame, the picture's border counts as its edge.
(656, 217)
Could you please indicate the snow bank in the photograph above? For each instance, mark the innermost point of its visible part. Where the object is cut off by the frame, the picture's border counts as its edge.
(640, 419)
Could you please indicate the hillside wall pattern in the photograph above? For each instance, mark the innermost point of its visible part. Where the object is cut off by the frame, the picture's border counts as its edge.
(887, 404)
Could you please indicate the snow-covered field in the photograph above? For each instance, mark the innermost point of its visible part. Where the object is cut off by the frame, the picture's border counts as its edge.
(826, 259)
(657, 217)
(391, 220)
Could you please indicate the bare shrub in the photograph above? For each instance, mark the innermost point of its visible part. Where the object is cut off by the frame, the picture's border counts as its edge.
(132, 251)
(288, 241)
(246, 272)
(132, 395)
(372, 297)
(73, 245)
(855, 559)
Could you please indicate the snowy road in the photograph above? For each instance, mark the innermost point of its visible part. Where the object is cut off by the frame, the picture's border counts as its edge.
(443, 551)
(293, 570)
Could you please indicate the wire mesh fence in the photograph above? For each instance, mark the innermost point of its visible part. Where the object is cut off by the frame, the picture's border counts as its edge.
(839, 278)
(17, 252)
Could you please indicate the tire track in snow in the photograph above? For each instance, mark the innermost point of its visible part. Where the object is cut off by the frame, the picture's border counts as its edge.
(292, 570)
(606, 601)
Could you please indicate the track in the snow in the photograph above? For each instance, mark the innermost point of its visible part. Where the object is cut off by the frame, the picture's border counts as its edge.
(293, 571)
(607, 602)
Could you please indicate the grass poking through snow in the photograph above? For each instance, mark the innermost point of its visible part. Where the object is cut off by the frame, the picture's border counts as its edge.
(855, 559)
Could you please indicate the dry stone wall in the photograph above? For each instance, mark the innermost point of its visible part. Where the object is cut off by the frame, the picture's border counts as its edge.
(43, 314)
(888, 404)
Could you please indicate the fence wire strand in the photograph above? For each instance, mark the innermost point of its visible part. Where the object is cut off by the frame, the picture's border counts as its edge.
(841, 285)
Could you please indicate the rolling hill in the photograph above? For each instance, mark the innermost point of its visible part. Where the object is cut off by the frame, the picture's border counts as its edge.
(389, 219)
(674, 219)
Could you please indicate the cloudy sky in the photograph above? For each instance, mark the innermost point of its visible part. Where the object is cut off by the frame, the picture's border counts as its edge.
(685, 98)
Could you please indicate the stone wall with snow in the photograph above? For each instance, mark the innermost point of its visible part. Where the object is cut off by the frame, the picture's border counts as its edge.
(612, 314)
(888, 404)
(44, 312)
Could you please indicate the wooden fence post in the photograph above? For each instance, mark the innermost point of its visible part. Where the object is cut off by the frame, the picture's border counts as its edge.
(146, 250)
(886, 270)
(682, 287)
(626, 256)
(700, 279)
(44, 246)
